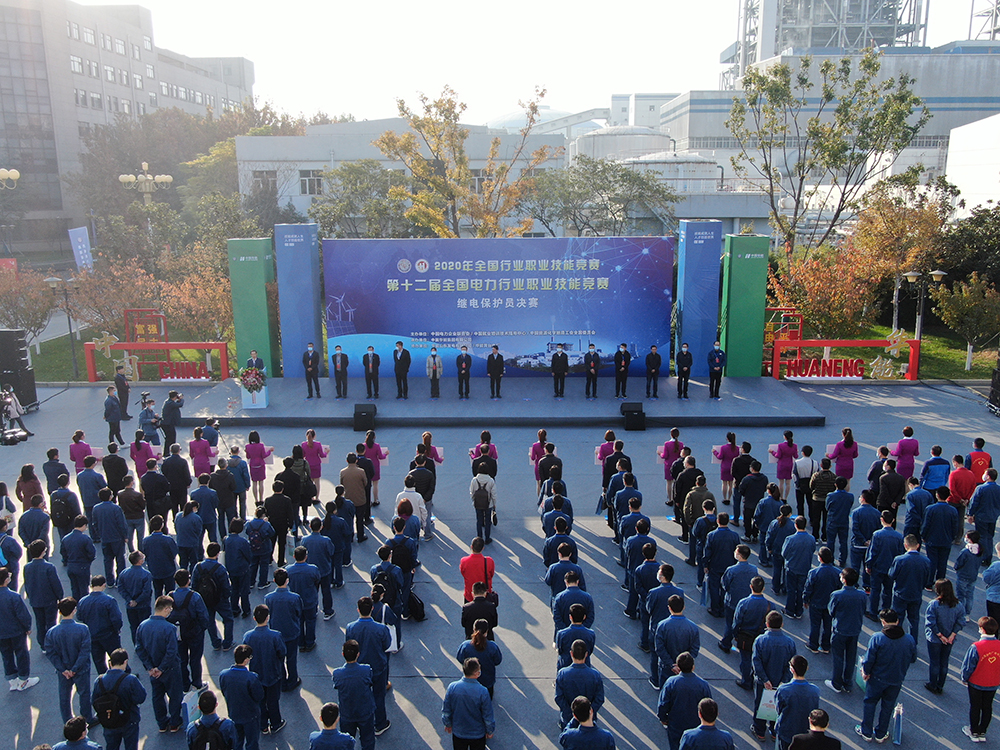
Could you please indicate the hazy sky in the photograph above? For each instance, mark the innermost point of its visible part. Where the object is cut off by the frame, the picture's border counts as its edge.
(354, 57)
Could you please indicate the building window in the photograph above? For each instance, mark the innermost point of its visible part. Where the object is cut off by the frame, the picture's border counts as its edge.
(152, 99)
(93, 69)
(119, 46)
(310, 182)
(88, 35)
(210, 100)
(74, 30)
(150, 73)
(109, 73)
(81, 97)
(123, 77)
(182, 94)
(199, 98)
(126, 106)
(106, 42)
(96, 102)
(76, 63)
(266, 179)
(140, 108)
(147, 43)
(135, 52)
(137, 80)
(164, 88)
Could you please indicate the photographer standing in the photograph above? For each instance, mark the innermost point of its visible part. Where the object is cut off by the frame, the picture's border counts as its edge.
(171, 416)
(149, 421)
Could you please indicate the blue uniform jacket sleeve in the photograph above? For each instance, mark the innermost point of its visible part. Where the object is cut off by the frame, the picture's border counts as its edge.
(970, 663)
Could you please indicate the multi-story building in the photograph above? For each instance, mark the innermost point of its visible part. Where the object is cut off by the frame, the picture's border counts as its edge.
(66, 68)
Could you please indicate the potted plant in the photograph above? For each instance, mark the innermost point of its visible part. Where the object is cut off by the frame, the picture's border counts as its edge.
(253, 385)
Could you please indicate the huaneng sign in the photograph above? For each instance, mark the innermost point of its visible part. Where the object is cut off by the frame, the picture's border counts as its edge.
(824, 368)
(885, 365)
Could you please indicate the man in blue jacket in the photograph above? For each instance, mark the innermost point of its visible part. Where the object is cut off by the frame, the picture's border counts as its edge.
(243, 693)
(135, 586)
(677, 708)
(633, 558)
(373, 639)
(910, 574)
(191, 617)
(628, 526)
(43, 589)
(286, 617)
(340, 530)
(89, 482)
(120, 681)
(797, 552)
(403, 554)
(260, 537)
(241, 473)
(936, 471)
(645, 578)
(304, 579)
(211, 723)
(321, 551)
(34, 522)
(103, 617)
(748, 625)
(578, 678)
(64, 507)
(550, 553)
(847, 613)
(940, 525)
(75, 731)
(736, 584)
(673, 636)
(160, 550)
(821, 582)
(330, 737)
(886, 545)
(576, 631)
(68, 647)
(108, 526)
(239, 558)
(78, 552)
(15, 624)
(53, 468)
(889, 655)
(211, 580)
(794, 701)
(581, 734)
(716, 364)
(917, 499)
(156, 646)
(556, 573)
(838, 519)
(268, 664)
(720, 546)
(772, 653)
(984, 508)
(208, 506)
(571, 594)
(658, 609)
(11, 551)
(865, 521)
(353, 683)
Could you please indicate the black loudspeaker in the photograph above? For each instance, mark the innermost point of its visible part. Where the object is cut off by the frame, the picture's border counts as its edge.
(630, 407)
(13, 350)
(635, 421)
(364, 417)
(23, 383)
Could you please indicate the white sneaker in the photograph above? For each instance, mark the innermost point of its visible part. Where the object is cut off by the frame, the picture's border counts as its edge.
(13, 684)
(28, 683)
(967, 731)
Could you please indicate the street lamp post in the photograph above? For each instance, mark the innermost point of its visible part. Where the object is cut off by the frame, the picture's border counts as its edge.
(915, 277)
(146, 183)
(59, 285)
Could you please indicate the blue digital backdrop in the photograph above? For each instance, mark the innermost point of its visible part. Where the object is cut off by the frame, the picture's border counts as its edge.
(698, 267)
(299, 292)
(522, 294)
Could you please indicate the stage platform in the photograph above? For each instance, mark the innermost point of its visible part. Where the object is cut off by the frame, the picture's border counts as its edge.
(746, 402)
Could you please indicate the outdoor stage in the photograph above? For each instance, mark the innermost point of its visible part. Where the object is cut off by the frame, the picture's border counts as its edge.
(746, 402)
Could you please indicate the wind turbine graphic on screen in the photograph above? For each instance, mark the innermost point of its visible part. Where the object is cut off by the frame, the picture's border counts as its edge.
(350, 312)
(340, 306)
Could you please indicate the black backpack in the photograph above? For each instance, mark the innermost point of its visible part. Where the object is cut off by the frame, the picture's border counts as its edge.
(181, 614)
(111, 709)
(401, 556)
(207, 587)
(481, 497)
(255, 536)
(383, 579)
(209, 737)
(59, 512)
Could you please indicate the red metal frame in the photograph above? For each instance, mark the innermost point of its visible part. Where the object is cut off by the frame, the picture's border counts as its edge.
(779, 344)
(89, 348)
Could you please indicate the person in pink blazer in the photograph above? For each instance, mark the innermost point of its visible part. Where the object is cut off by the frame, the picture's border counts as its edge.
(314, 453)
(374, 452)
(843, 456)
(140, 452)
(256, 453)
(906, 451)
(725, 454)
(79, 450)
(786, 454)
(432, 452)
(484, 439)
(200, 453)
(535, 454)
(671, 452)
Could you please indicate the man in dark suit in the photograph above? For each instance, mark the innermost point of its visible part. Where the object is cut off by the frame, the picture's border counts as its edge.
(401, 366)
(591, 364)
(115, 469)
(622, 361)
(683, 360)
(310, 360)
(560, 366)
(485, 462)
(891, 489)
(816, 738)
(170, 417)
(653, 363)
(495, 369)
(121, 385)
(339, 362)
(463, 365)
(480, 608)
(549, 460)
(255, 361)
(113, 416)
(611, 463)
(371, 362)
(178, 474)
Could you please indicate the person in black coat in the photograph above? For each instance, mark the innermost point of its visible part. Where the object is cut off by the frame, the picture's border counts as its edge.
(495, 369)
(310, 361)
(170, 417)
(401, 366)
(622, 360)
(683, 361)
(369, 466)
(485, 462)
(816, 738)
(560, 366)
(653, 363)
(611, 463)
(113, 416)
(178, 474)
(115, 469)
(121, 385)
(463, 366)
(591, 364)
(281, 515)
(480, 608)
(371, 362)
(546, 462)
(338, 363)
(255, 361)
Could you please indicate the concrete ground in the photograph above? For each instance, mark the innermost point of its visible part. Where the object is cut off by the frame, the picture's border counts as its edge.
(525, 710)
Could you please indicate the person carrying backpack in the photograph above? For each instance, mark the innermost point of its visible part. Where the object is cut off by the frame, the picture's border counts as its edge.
(211, 580)
(191, 615)
(260, 534)
(483, 490)
(404, 556)
(391, 578)
(211, 731)
(117, 695)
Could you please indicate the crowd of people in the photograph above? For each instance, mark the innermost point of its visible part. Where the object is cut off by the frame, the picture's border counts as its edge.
(838, 556)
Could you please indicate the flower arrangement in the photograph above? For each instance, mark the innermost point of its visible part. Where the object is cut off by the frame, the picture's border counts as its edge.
(252, 379)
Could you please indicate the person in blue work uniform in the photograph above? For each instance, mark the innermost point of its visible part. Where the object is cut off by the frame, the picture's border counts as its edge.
(674, 636)
(11, 551)
(821, 582)
(103, 617)
(576, 631)
(736, 585)
(15, 624)
(390, 577)
(886, 545)
(304, 579)
(161, 551)
(64, 507)
(677, 708)
(239, 558)
(865, 521)
(191, 617)
(797, 551)
(917, 499)
(75, 731)
(889, 655)
(984, 508)
(910, 574)
(486, 651)
(657, 610)
(720, 546)
(645, 578)
(794, 701)
(578, 679)
(78, 552)
(768, 510)
(707, 736)
(286, 617)
(321, 552)
(628, 526)
(135, 586)
(353, 683)
(373, 639)
(772, 653)
(556, 573)
(748, 624)
(131, 694)
(943, 620)
(89, 482)
(632, 547)
(268, 664)
(838, 519)
(190, 535)
(330, 737)
(847, 613)
(938, 530)
(43, 589)
(404, 555)
(109, 528)
(68, 647)
(777, 532)
(936, 470)
(211, 580)
(208, 506)
(243, 693)
(550, 549)
(581, 733)
(210, 723)
(339, 530)
(260, 536)
(571, 594)
(156, 647)
(34, 522)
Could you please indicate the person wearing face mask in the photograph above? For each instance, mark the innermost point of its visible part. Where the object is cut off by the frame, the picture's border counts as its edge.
(653, 363)
(560, 366)
(591, 364)
(683, 361)
(463, 364)
(622, 361)
(495, 369)
(339, 362)
(310, 360)
(434, 367)
(371, 362)
(401, 366)
(716, 363)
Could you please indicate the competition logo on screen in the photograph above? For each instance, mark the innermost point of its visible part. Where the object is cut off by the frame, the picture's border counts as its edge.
(422, 266)
(403, 266)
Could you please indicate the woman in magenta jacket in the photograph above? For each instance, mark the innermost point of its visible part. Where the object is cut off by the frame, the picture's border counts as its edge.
(725, 455)
(140, 452)
(256, 453)
(432, 452)
(374, 452)
(671, 452)
(314, 453)
(536, 452)
(786, 453)
(843, 456)
(906, 451)
(79, 450)
(200, 453)
(485, 438)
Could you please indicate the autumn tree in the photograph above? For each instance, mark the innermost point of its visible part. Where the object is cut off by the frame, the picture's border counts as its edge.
(357, 203)
(147, 235)
(26, 301)
(972, 244)
(971, 309)
(104, 293)
(813, 136)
